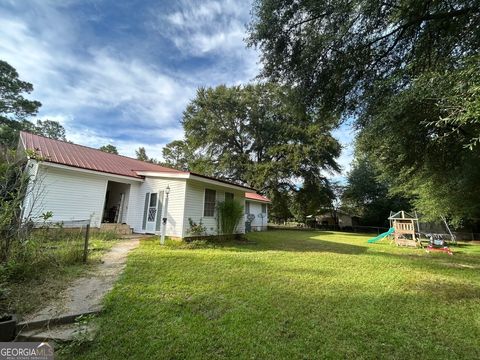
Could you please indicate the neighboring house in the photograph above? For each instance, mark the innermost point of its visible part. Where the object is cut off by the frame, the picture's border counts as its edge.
(76, 182)
(344, 220)
(256, 212)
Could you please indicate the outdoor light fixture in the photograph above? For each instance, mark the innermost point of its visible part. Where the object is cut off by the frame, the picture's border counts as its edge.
(164, 214)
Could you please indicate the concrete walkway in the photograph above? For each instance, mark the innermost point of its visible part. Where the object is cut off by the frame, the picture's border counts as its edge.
(85, 294)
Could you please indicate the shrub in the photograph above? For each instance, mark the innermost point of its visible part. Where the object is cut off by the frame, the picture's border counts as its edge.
(13, 188)
(196, 229)
(229, 214)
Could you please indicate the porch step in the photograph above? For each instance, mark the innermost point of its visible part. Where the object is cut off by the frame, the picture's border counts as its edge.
(59, 333)
(58, 329)
(119, 229)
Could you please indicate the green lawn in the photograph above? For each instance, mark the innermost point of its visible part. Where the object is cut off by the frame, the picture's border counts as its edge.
(292, 295)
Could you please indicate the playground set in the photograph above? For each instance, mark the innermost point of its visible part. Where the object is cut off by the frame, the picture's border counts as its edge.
(405, 231)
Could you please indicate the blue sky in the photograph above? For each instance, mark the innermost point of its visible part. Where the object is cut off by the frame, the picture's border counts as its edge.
(122, 72)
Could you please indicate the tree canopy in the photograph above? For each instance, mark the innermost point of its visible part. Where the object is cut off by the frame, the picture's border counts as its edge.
(337, 51)
(177, 154)
(141, 154)
(260, 135)
(109, 148)
(407, 71)
(13, 105)
(368, 197)
(15, 110)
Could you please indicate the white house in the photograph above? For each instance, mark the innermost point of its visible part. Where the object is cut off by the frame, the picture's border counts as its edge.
(76, 182)
(256, 212)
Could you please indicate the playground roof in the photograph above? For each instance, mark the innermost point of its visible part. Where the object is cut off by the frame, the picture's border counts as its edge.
(402, 215)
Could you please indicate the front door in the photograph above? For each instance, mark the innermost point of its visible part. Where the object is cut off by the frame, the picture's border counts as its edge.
(152, 212)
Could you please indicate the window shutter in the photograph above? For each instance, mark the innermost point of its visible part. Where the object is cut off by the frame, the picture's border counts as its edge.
(145, 211)
(159, 211)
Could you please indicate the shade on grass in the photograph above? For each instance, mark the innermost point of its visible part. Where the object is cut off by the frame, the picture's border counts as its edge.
(292, 295)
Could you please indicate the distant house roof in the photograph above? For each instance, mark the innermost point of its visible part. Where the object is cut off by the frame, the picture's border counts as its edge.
(257, 197)
(83, 157)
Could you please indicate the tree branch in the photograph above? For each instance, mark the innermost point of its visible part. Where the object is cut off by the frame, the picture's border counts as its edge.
(420, 19)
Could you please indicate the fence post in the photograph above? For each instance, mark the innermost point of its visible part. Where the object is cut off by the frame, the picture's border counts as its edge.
(85, 246)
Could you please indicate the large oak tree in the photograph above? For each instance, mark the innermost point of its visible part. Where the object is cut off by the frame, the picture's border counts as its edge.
(260, 135)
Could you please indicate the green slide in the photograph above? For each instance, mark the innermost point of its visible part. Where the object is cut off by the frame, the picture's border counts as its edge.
(381, 236)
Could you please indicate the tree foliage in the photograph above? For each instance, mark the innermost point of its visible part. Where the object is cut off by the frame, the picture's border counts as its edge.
(176, 155)
(337, 51)
(50, 129)
(15, 110)
(109, 148)
(368, 197)
(259, 135)
(141, 154)
(408, 71)
(13, 188)
(13, 105)
(310, 199)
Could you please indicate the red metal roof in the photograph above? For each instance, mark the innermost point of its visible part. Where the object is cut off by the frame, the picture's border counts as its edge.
(79, 156)
(257, 197)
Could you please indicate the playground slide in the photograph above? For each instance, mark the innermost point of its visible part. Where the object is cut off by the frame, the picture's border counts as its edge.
(381, 236)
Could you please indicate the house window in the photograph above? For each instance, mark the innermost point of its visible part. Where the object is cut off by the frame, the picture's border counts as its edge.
(264, 208)
(247, 207)
(210, 202)
(153, 199)
(228, 196)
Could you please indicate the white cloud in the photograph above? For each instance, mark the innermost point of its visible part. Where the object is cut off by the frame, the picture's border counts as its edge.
(90, 138)
(198, 28)
(69, 84)
(76, 79)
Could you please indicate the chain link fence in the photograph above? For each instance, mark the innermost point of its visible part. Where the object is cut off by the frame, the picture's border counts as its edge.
(68, 238)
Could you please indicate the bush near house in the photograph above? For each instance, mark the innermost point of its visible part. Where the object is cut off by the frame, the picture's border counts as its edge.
(229, 214)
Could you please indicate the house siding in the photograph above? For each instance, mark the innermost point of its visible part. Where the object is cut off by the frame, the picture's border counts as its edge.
(175, 209)
(194, 199)
(70, 195)
(258, 223)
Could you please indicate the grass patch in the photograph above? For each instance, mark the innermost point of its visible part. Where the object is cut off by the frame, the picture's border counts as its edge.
(46, 266)
(291, 295)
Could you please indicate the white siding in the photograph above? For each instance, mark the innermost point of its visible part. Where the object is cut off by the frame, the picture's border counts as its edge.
(194, 205)
(68, 194)
(72, 194)
(258, 223)
(175, 210)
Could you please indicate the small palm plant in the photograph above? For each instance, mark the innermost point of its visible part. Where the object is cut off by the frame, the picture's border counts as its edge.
(229, 214)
